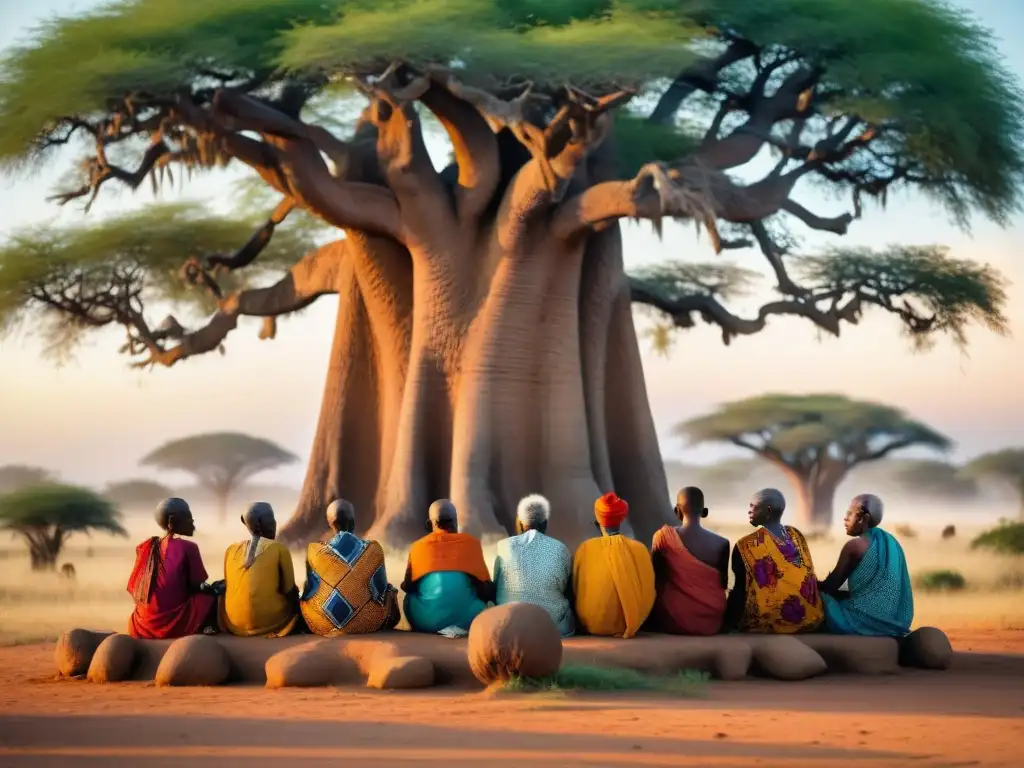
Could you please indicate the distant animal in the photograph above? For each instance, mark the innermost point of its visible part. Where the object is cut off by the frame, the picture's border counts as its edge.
(949, 532)
(67, 571)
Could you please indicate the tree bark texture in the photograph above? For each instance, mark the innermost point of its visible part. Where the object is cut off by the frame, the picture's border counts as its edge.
(815, 496)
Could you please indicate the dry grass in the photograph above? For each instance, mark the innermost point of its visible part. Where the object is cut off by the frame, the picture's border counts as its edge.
(38, 606)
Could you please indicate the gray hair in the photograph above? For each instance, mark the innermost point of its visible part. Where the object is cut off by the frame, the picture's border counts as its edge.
(872, 506)
(771, 497)
(533, 510)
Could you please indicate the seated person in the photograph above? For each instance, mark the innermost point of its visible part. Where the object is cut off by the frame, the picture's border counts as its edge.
(691, 569)
(612, 576)
(347, 590)
(168, 581)
(260, 597)
(531, 567)
(880, 601)
(446, 581)
(775, 589)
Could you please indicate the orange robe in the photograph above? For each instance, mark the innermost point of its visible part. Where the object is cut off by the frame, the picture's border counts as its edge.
(691, 600)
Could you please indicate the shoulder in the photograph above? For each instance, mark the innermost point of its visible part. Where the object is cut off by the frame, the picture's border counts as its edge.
(661, 534)
(857, 546)
(186, 544)
(636, 547)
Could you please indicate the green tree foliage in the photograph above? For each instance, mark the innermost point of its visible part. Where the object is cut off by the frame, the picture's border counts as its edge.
(862, 97)
(14, 477)
(46, 516)
(933, 479)
(136, 493)
(941, 581)
(219, 461)
(1006, 466)
(814, 439)
(1005, 539)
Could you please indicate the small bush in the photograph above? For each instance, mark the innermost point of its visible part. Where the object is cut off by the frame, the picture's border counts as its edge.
(949, 532)
(578, 677)
(1011, 581)
(941, 581)
(1006, 539)
(904, 531)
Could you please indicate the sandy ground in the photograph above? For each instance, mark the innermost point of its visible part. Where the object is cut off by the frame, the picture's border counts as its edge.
(972, 715)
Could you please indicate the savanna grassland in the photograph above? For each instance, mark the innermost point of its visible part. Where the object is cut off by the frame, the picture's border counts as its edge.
(38, 606)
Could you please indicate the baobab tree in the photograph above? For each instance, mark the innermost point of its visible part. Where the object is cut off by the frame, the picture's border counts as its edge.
(815, 440)
(484, 346)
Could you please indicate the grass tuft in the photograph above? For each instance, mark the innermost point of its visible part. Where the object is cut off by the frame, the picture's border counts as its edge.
(581, 677)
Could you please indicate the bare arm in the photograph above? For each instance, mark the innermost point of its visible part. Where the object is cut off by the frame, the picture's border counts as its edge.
(738, 596)
(723, 564)
(849, 558)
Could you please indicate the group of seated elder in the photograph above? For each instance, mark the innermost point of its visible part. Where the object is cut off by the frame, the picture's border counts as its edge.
(613, 586)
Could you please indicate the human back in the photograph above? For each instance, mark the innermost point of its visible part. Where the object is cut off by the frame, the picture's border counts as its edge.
(532, 567)
(776, 590)
(613, 576)
(691, 568)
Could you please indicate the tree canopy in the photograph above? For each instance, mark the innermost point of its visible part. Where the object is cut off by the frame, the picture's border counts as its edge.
(935, 479)
(816, 439)
(135, 493)
(864, 98)
(1005, 539)
(219, 461)
(47, 515)
(14, 477)
(1006, 466)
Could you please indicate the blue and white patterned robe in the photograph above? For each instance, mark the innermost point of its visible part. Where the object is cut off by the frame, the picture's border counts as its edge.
(534, 568)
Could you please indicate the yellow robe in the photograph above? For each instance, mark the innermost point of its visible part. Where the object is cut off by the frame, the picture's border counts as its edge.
(613, 581)
(254, 602)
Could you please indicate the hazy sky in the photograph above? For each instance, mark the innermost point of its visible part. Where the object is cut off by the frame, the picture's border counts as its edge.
(93, 418)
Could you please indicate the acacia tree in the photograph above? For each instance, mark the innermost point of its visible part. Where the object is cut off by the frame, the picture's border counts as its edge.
(814, 439)
(484, 345)
(934, 479)
(46, 516)
(1006, 466)
(135, 493)
(16, 476)
(219, 461)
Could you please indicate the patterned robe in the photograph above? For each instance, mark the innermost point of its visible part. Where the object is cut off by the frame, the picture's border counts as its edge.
(781, 590)
(534, 568)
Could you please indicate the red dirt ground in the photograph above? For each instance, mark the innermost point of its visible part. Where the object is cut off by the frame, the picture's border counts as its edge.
(971, 715)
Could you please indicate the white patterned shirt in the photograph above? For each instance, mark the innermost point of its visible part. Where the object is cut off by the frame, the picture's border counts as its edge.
(534, 568)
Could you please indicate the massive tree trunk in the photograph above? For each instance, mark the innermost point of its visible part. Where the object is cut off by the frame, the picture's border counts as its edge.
(528, 381)
(815, 496)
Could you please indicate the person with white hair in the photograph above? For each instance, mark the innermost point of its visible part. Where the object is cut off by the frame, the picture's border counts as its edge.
(879, 601)
(775, 589)
(532, 567)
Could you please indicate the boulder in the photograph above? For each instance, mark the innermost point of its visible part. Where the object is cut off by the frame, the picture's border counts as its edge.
(114, 659)
(401, 673)
(194, 660)
(732, 661)
(75, 649)
(855, 654)
(786, 658)
(926, 648)
(310, 665)
(516, 639)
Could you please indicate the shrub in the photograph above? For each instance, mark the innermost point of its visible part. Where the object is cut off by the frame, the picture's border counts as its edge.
(941, 581)
(1006, 539)
(904, 531)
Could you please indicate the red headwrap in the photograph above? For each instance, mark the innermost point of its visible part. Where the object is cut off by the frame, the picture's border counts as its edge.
(610, 510)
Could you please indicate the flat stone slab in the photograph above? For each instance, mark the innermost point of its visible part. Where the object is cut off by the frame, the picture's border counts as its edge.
(351, 660)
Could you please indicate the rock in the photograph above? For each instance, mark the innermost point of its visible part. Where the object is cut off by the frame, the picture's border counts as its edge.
(926, 648)
(786, 658)
(516, 639)
(114, 659)
(194, 660)
(75, 649)
(732, 662)
(310, 665)
(401, 673)
(855, 655)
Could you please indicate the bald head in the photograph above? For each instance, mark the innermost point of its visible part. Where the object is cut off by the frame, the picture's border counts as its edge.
(690, 504)
(259, 520)
(443, 517)
(341, 516)
(175, 516)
